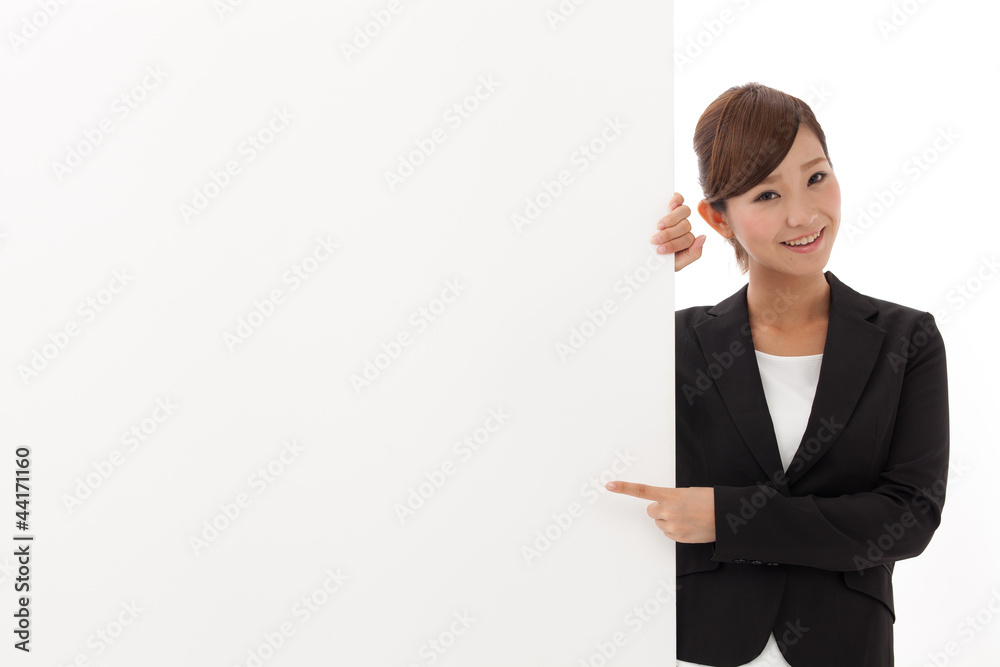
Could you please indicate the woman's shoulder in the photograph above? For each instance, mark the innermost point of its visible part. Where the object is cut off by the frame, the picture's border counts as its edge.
(686, 319)
(692, 314)
(884, 313)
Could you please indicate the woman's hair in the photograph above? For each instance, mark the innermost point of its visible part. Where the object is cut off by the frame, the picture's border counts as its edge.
(741, 138)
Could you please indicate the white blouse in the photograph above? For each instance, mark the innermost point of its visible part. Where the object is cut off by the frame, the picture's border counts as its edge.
(789, 387)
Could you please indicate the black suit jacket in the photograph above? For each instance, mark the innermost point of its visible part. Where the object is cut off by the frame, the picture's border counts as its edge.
(808, 554)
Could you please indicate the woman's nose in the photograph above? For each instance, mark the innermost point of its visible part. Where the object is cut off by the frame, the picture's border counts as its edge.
(802, 213)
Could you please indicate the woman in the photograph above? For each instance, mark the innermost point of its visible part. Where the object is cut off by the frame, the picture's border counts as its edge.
(812, 421)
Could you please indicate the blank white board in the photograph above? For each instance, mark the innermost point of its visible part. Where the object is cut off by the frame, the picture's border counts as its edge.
(325, 324)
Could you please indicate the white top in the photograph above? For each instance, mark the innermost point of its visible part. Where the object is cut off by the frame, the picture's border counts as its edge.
(789, 387)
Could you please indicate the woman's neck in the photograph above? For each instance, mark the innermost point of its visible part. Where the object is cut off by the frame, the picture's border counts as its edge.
(787, 302)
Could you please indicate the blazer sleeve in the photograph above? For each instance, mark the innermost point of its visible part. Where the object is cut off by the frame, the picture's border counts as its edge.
(893, 521)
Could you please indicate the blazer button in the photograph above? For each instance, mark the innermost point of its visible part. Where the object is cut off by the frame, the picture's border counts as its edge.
(772, 563)
(739, 560)
(756, 562)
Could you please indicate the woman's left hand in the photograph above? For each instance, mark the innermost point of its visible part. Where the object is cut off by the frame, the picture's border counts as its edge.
(686, 514)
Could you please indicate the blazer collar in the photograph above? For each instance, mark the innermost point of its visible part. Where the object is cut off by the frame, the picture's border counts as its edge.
(852, 347)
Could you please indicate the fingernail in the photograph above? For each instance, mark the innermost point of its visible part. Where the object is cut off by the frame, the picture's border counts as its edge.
(610, 486)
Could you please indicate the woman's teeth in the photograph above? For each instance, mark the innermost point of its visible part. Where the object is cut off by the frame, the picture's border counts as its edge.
(804, 241)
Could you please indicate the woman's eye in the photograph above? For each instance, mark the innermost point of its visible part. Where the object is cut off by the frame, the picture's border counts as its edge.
(762, 195)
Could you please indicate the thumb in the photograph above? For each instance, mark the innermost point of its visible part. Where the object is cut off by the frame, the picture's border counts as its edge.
(689, 254)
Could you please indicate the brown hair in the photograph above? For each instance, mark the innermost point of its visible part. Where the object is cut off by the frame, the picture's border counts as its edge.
(741, 138)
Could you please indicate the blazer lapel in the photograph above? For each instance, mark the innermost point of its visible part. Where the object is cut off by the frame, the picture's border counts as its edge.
(849, 355)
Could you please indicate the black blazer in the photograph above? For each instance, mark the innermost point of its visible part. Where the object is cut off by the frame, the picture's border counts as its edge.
(808, 555)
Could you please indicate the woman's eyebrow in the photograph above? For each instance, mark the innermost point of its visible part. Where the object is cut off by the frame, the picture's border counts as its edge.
(773, 177)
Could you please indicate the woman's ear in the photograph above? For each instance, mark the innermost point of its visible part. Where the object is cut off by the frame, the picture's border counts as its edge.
(715, 219)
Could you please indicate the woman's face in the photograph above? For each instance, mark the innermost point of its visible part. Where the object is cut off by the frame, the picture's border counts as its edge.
(798, 199)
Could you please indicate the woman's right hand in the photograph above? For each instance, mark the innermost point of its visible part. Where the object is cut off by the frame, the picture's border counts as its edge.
(675, 235)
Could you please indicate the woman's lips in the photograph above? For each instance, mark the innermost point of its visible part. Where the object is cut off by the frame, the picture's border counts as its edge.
(809, 247)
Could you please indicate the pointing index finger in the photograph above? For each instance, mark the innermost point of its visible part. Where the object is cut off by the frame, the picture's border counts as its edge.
(636, 489)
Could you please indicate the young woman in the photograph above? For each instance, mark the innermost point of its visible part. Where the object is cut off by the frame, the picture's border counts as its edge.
(812, 421)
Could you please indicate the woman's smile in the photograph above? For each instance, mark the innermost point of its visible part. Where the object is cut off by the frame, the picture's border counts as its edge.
(814, 242)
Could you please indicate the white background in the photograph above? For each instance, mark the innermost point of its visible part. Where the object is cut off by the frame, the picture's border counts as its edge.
(881, 96)
(114, 531)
